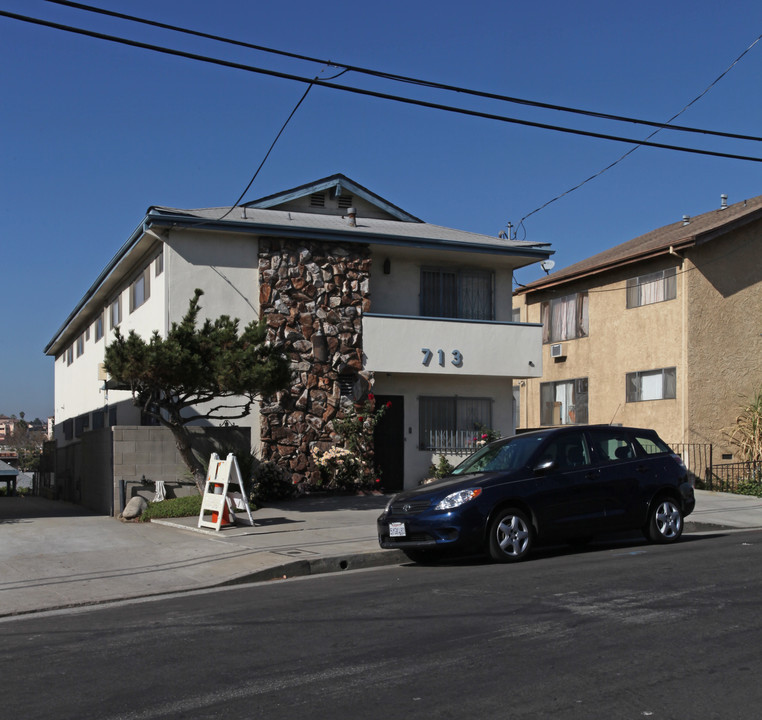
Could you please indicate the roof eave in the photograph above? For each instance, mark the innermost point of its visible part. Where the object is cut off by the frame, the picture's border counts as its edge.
(355, 235)
(551, 282)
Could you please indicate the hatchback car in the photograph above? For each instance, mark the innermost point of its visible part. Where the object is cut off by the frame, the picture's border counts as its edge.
(566, 483)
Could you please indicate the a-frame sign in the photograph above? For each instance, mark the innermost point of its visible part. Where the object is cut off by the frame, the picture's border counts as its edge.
(223, 491)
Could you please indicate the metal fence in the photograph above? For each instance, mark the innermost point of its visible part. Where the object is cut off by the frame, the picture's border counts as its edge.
(698, 459)
(453, 442)
(743, 477)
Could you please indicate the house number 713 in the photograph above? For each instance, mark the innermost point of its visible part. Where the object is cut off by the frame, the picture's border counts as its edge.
(428, 355)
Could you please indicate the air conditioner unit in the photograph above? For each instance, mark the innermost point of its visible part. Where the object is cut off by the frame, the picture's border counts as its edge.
(557, 351)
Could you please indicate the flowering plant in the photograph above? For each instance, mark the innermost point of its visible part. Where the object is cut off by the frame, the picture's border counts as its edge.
(485, 435)
(339, 468)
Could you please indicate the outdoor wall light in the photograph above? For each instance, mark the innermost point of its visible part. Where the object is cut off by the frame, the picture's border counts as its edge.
(387, 266)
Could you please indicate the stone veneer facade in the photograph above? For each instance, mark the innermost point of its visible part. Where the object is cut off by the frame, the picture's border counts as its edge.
(312, 296)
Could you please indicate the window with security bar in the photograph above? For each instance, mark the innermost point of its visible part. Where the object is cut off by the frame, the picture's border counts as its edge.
(452, 293)
(452, 423)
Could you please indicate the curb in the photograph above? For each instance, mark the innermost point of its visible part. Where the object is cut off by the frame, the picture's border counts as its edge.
(320, 566)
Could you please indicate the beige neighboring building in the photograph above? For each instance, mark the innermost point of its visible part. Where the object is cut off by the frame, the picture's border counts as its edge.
(663, 331)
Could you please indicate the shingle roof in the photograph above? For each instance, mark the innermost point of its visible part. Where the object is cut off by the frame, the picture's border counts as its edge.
(656, 242)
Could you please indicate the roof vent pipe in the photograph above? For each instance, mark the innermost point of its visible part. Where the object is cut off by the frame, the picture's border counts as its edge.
(352, 213)
(686, 220)
(723, 202)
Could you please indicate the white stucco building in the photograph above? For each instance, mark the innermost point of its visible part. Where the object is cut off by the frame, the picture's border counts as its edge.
(363, 296)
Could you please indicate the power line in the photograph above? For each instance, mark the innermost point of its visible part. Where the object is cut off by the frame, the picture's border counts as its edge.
(632, 150)
(403, 78)
(370, 93)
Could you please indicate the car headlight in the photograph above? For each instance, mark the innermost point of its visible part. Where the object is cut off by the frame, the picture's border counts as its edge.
(457, 499)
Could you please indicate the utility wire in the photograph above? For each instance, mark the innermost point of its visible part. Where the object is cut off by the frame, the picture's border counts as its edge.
(403, 78)
(632, 150)
(370, 93)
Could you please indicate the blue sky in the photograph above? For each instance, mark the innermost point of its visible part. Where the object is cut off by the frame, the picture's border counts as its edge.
(94, 133)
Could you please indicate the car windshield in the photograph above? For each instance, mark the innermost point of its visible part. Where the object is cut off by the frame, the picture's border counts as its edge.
(507, 456)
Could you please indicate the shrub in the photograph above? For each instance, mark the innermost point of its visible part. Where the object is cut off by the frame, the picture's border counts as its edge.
(270, 483)
(340, 469)
(173, 508)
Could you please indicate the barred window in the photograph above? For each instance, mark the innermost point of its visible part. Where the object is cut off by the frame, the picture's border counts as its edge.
(451, 423)
(652, 288)
(455, 293)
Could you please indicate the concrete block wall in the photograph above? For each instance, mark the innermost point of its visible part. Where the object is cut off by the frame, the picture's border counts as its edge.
(106, 467)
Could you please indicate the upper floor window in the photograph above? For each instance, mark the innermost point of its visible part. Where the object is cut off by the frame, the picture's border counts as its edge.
(70, 355)
(565, 318)
(80, 345)
(563, 403)
(652, 288)
(651, 385)
(140, 290)
(158, 264)
(452, 423)
(452, 293)
(98, 327)
(115, 311)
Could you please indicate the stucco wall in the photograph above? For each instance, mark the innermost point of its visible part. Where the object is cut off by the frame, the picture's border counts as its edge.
(620, 341)
(724, 338)
(417, 461)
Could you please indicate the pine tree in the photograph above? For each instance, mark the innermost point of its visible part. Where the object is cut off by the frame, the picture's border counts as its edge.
(208, 372)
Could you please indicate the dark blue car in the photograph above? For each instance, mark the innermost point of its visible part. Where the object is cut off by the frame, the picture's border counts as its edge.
(566, 483)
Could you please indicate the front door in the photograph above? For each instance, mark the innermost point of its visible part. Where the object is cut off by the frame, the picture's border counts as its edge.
(389, 443)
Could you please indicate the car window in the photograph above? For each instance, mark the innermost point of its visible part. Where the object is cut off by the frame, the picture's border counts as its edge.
(611, 445)
(651, 445)
(567, 452)
(507, 456)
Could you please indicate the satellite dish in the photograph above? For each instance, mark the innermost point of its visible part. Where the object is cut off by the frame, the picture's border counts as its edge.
(547, 265)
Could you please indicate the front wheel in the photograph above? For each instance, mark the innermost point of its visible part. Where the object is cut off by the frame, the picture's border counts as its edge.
(665, 522)
(510, 536)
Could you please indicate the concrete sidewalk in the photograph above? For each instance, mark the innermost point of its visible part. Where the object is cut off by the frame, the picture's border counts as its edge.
(57, 555)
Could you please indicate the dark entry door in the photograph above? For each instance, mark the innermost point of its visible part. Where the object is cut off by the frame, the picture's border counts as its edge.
(389, 443)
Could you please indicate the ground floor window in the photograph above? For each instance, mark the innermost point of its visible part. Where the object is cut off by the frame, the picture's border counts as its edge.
(651, 385)
(564, 402)
(452, 423)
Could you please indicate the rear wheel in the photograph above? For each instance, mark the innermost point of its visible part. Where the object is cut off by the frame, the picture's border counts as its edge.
(510, 536)
(665, 522)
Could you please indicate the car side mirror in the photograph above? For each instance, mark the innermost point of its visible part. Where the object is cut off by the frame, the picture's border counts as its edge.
(544, 466)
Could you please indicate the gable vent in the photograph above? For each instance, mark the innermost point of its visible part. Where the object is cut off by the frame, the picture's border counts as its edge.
(317, 200)
(345, 201)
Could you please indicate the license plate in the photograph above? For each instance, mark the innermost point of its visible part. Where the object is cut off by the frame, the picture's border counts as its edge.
(397, 529)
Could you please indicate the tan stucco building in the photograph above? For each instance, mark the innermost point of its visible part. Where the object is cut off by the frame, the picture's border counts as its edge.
(663, 331)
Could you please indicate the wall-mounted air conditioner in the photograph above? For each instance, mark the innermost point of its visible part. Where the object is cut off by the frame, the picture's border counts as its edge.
(557, 351)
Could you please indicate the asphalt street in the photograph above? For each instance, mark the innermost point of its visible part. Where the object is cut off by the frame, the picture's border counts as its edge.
(622, 629)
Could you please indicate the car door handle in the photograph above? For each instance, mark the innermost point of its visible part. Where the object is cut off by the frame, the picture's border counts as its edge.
(593, 474)
(642, 468)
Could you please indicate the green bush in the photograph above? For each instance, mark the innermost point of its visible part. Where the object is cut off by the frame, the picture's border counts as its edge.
(271, 483)
(173, 508)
